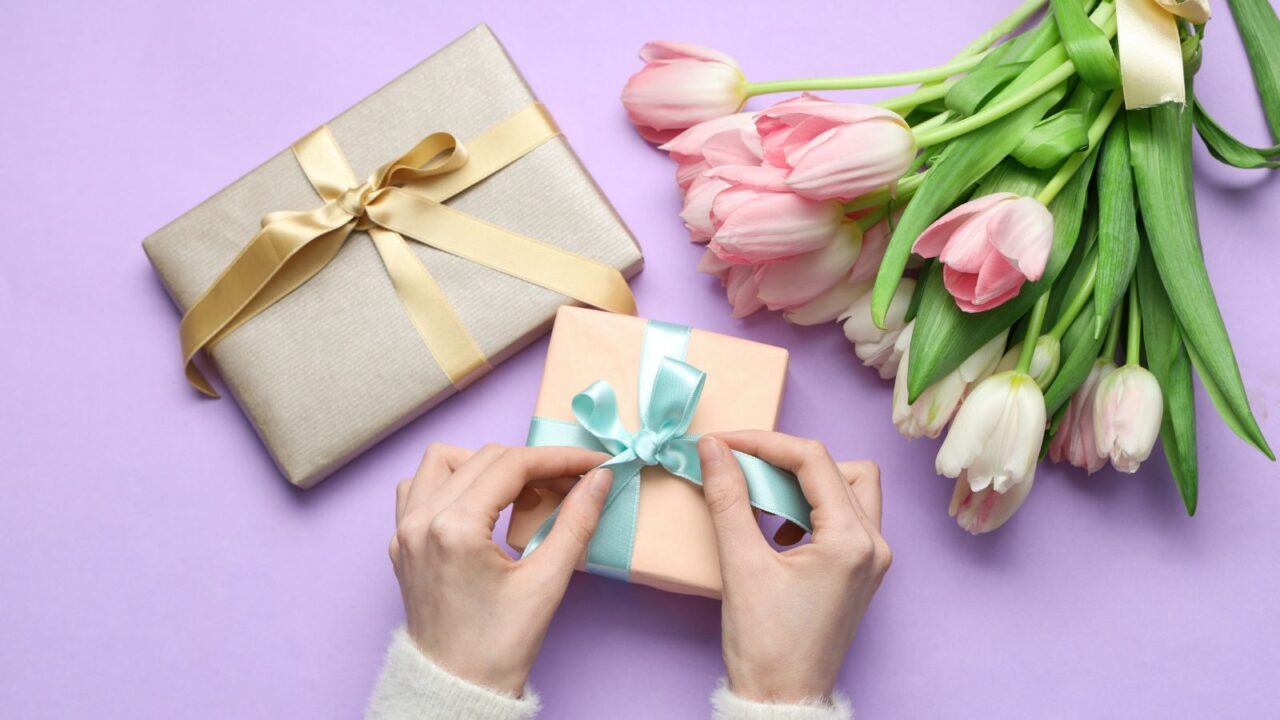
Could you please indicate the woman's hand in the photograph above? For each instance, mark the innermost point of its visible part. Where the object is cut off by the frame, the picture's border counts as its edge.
(788, 618)
(471, 608)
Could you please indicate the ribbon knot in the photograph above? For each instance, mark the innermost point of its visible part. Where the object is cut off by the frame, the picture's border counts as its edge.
(353, 202)
(645, 444)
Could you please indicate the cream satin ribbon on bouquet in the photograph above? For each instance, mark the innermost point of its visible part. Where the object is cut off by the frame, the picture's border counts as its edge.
(402, 199)
(1150, 53)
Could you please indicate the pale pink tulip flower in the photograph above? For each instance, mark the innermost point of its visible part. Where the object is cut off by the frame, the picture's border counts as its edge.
(989, 247)
(680, 86)
(757, 221)
(876, 347)
(980, 511)
(835, 150)
(1074, 442)
(1127, 411)
(995, 438)
(794, 281)
(827, 306)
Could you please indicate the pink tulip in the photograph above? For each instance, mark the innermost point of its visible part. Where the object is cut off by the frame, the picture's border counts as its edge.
(790, 283)
(721, 144)
(1074, 442)
(828, 306)
(738, 280)
(989, 246)
(874, 242)
(985, 510)
(758, 220)
(680, 86)
(835, 150)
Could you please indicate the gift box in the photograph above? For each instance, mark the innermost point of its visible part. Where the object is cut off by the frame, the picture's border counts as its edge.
(337, 311)
(641, 368)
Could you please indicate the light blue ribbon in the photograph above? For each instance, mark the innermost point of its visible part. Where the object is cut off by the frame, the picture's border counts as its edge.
(669, 392)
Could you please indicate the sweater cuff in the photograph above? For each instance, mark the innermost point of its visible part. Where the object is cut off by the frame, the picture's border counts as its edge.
(412, 687)
(727, 706)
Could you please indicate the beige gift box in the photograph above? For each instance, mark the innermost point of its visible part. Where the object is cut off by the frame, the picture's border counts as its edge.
(337, 364)
(675, 542)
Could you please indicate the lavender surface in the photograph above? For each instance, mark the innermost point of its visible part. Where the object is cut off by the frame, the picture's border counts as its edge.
(154, 564)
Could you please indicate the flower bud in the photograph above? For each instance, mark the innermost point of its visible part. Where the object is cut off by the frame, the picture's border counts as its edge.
(1126, 416)
(680, 86)
(1045, 360)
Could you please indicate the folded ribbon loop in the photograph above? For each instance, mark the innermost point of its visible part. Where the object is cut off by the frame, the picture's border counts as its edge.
(669, 395)
(401, 200)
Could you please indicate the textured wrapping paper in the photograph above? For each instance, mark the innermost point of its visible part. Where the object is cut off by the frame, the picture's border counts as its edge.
(675, 542)
(337, 365)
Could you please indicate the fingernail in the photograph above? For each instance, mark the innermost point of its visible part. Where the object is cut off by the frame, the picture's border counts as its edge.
(712, 449)
(598, 481)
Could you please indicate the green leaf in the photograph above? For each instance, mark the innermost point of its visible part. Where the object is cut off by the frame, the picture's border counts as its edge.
(1079, 351)
(1053, 139)
(1012, 176)
(1168, 360)
(974, 90)
(965, 160)
(945, 335)
(1160, 143)
(1260, 30)
(913, 306)
(1228, 149)
(1087, 46)
(1118, 225)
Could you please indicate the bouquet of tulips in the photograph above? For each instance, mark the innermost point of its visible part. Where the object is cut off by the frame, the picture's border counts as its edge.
(1013, 242)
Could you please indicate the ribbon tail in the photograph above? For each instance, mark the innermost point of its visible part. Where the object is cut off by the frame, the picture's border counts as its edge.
(282, 256)
(1151, 69)
(439, 226)
(771, 489)
(430, 311)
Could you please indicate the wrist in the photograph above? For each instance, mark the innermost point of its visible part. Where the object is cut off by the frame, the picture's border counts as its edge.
(783, 687)
(500, 674)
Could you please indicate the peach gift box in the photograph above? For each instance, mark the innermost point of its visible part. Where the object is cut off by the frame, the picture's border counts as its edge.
(675, 542)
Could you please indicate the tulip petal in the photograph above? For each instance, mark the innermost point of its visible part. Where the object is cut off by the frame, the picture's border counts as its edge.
(797, 280)
(931, 242)
(995, 279)
(1022, 231)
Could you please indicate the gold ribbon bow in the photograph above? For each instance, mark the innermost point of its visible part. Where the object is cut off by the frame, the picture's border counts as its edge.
(402, 199)
(1150, 52)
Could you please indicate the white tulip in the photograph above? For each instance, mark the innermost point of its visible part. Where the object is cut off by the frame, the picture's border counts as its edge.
(1045, 360)
(932, 410)
(985, 510)
(875, 346)
(995, 439)
(1127, 410)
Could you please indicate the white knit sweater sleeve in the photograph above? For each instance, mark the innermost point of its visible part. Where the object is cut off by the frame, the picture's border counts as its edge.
(727, 706)
(412, 687)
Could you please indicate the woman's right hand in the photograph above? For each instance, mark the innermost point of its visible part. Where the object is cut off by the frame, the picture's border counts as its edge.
(789, 617)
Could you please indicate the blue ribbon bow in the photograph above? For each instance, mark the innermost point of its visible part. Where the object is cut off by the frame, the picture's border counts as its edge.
(669, 392)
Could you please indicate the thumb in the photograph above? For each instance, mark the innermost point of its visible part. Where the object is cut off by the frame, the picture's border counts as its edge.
(725, 490)
(575, 524)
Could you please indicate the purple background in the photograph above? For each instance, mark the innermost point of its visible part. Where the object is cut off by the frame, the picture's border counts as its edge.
(154, 564)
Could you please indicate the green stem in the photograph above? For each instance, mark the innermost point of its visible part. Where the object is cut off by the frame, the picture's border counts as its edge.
(906, 187)
(1073, 163)
(866, 222)
(1133, 342)
(902, 104)
(1033, 333)
(1007, 25)
(1103, 17)
(1083, 293)
(862, 82)
(1113, 337)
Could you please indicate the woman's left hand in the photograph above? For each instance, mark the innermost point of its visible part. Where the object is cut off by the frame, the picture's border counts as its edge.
(470, 607)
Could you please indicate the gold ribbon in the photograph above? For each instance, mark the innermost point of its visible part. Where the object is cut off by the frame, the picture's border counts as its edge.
(1150, 52)
(402, 199)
